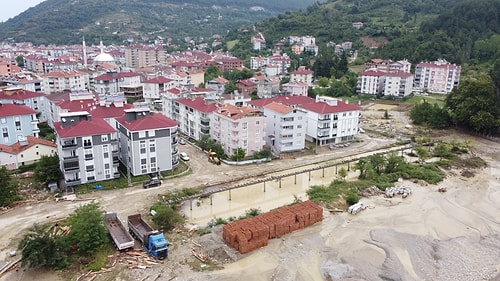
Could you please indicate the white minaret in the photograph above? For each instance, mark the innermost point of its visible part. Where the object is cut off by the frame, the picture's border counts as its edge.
(84, 53)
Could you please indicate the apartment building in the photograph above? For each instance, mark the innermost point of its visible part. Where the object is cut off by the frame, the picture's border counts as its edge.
(87, 148)
(148, 141)
(398, 84)
(331, 121)
(302, 74)
(154, 86)
(142, 56)
(437, 77)
(371, 82)
(58, 81)
(285, 127)
(34, 100)
(238, 127)
(17, 122)
(295, 88)
(111, 82)
(193, 116)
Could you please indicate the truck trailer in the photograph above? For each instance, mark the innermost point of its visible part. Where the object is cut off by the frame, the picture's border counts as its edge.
(153, 241)
(122, 240)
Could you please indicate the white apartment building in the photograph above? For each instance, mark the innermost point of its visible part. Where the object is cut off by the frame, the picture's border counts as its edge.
(58, 81)
(238, 127)
(437, 77)
(371, 82)
(331, 121)
(193, 116)
(154, 86)
(148, 141)
(87, 148)
(302, 74)
(285, 127)
(111, 82)
(398, 84)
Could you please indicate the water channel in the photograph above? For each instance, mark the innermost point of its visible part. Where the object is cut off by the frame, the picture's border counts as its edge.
(265, 195)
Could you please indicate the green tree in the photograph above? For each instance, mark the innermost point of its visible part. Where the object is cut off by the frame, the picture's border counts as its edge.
(212, 72)
(323, 82)
(39, 248)
(378, 162)
(474, 105)
(239, 154)
(47, 169)
(422, 152)
(394, 163)
(88, 231)
(166, 217)
(8, 188)
(20, 61)
(342, 174)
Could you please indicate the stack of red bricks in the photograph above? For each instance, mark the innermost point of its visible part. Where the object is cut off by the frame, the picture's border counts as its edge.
(249, 234)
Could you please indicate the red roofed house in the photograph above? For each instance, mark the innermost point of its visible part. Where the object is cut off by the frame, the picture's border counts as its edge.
(398, 84)
(193, 116)
(111, 82)
(238, 127)
(302, 74)
(331, 121)
(246, 87)
(371, 82)
(295, 88)
(34, 100)
(87, 148)
(148, 142)
(16, 123)
(285, 127)
(154, 86)
(24, 152)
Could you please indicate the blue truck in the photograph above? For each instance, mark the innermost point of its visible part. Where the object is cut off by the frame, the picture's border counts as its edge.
(153, 241)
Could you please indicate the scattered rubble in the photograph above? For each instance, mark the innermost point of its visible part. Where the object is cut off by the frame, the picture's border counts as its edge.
(398, 190)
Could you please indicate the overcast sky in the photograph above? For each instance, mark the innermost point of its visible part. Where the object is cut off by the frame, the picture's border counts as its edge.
(12, 8)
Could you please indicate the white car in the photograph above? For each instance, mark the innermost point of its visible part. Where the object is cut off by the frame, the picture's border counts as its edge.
(184, 156)
(182, 141)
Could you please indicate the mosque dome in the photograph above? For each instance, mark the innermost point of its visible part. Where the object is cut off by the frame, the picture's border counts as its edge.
(103, 58)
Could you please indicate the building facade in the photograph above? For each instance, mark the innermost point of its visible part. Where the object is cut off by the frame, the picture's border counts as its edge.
(17, 122)
(285, 127)
(87, 148)
(436, 77)
(148, 142)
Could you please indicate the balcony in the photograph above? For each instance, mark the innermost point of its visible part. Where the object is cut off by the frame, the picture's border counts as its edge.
(69, 144)
(89, 156)
(324, 118)
(89, 168)
(175, 151)
(70, 166)
(115, 159)
(73, 182)
(114, 140)
(87, 145)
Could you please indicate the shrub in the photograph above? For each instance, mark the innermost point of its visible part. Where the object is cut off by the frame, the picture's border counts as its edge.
(352, 198)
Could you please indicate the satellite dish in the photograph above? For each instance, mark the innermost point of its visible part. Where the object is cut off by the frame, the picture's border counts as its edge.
(63, 119)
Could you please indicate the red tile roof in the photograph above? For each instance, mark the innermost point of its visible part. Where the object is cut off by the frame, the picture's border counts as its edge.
(149, 122)
(302, 71)
(19, 94)
(84, 128)
(279, 107)
(198, 104)
(111, 76)
(235, 112)
(158, 80)
(373, 73)
(325, 108)
(17, 147)
(15, 110)
(288, 100)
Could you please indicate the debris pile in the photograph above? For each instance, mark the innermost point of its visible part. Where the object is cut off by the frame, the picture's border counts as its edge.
(249, 234)
(356, 208)
(398, 190)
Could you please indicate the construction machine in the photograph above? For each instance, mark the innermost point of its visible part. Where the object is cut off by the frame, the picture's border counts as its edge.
(212, 157)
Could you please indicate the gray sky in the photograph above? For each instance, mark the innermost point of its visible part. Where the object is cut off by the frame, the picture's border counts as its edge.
(12, 8)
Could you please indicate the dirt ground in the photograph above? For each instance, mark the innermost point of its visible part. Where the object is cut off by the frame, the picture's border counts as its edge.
(428, 236)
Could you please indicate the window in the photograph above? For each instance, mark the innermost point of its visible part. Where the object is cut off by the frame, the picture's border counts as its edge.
(257, 132)
(5, 134)
(105, 148)
(151, 133)
(142, 146)
(152, 146)
(153, 160)
(244, 125)
(18, 123)
(3, 120)
(104, 138)
(142, 134)
(257, 122)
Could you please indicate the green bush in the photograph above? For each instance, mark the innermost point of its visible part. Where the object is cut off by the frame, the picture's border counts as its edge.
(352, 198)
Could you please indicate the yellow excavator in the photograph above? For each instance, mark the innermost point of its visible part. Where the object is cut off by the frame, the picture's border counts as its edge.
(212, 157)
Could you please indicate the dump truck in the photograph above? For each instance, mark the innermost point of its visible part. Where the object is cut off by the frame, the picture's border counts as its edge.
(121, 238)
(153, 241)
(212, 157)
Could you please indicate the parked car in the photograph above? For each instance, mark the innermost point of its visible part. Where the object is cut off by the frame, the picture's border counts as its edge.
(182, 141)
(184, 156)
(151, 182)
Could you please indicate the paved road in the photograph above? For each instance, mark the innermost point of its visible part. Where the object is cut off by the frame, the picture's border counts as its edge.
(135, 199)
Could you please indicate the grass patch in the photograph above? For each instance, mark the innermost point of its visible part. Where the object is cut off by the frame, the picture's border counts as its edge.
(100, 258)
(231, 44)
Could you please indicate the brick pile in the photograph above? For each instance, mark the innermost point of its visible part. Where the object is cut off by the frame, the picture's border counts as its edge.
(249, 234)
